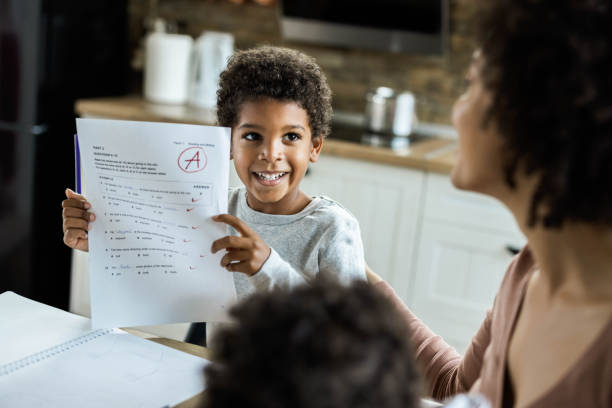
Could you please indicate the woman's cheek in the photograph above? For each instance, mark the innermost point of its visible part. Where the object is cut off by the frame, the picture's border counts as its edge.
(458, 114)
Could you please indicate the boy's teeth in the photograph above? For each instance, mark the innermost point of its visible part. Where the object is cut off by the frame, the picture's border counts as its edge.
(270, 176)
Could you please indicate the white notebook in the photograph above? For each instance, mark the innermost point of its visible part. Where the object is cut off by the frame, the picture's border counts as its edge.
(51, 358)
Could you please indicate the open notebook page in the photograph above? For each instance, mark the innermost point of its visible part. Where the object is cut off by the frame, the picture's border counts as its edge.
(27, 327)
(61, 363)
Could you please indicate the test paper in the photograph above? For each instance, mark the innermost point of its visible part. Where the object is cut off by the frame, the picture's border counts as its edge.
(154, 188)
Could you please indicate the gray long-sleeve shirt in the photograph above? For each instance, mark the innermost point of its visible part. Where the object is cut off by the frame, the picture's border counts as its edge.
(322, 239)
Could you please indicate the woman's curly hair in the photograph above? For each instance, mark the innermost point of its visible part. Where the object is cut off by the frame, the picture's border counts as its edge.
(548, 64)
(319, 346)
(278, 73)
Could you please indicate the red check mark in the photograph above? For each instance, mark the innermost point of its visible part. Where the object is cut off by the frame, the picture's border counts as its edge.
(193, 200)
(190, 209)
(186, 240)
(192, 268)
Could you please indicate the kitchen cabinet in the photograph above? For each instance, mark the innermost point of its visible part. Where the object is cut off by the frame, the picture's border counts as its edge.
(465, 246)
(457, 274)
(444, 251)
(386, 201)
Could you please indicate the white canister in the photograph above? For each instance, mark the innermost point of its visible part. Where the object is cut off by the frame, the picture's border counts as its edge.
(211, 52)
(404, 120)
(166, 74)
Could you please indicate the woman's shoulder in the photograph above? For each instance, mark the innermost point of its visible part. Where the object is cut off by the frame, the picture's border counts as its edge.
(509, 296)
(518, 273)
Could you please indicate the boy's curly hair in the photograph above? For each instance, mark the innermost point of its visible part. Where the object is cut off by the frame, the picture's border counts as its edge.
(548, 64)
(278, 73)
(322, 346)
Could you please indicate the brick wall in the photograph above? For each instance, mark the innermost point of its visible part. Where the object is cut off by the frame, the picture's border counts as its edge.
(435, 80)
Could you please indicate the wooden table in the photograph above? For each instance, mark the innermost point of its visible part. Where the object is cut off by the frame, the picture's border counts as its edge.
(192, 349)
(198, 351)
(203, 352)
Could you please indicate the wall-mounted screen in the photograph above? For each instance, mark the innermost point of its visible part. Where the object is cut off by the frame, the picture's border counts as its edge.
(392, 25)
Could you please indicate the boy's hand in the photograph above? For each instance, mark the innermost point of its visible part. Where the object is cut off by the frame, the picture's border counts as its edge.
(246, 253)
(76, 220)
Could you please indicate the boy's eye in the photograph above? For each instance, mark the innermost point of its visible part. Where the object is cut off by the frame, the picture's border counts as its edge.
(292, 137)
(252, 136)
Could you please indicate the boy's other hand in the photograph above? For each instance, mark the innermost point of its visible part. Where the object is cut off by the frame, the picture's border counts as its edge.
(76, 220)
(246, 253)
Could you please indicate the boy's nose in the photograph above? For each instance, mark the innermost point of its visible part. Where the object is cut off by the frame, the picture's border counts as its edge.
(271, 151)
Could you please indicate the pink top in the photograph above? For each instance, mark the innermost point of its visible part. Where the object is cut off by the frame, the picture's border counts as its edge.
(483, 367)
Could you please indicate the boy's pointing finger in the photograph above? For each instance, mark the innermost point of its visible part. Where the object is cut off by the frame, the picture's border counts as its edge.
(230, 241)
(234, 222)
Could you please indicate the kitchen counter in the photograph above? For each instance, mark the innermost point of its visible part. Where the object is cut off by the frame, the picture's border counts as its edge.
(429, 154)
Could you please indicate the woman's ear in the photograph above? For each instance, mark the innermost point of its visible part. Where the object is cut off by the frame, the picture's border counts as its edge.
(315, 150)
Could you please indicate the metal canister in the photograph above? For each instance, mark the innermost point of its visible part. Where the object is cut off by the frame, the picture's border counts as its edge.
(380, 110)
(390, 113)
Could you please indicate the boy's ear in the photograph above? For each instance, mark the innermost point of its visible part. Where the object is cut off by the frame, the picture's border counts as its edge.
(315, 150)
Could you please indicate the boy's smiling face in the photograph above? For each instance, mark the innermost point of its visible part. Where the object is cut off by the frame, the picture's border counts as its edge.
(272, 145)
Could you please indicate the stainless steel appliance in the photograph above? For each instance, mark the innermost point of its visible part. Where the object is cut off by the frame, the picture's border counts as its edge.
(389, 112)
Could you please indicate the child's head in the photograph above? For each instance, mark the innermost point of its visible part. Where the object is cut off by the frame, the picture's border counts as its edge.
(319, 346)
(282, 74)
(278, 104)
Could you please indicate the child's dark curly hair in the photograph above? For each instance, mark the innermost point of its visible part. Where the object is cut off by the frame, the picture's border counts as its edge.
(548, 64)
(322, 346)
(278, 73)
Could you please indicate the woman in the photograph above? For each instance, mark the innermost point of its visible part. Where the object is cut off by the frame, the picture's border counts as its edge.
(535, 132)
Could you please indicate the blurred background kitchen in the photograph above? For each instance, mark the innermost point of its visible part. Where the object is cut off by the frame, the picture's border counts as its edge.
(395, 68)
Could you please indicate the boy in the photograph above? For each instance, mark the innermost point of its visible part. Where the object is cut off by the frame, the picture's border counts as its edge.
(278, 104)
(319, 346)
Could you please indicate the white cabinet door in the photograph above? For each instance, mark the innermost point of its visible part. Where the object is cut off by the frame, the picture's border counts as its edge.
(462, 256)
(458, 274)
(386, 200)
(446, 203)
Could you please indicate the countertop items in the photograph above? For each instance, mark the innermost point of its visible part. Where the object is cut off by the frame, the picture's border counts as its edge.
(210, 54)
(423, 153)
(166, 71)
(389, 112)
